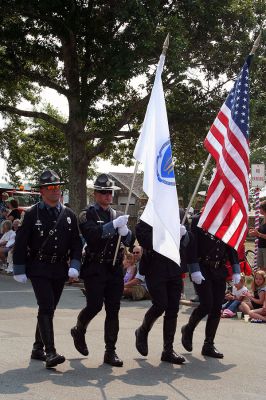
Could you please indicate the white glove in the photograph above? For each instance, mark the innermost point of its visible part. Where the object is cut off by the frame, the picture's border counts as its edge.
(22, 278)
(197, 277)
(236, 278)
(183, 231)
(73, 273)
(120, 221)
(123, 231)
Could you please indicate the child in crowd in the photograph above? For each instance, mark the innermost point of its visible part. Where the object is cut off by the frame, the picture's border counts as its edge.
(7, 240)
(234, 299)
(257, 299)
(129, 266)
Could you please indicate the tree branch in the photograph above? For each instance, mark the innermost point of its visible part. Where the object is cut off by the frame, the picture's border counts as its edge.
(45, 81)
(34, 114)
(119, 135)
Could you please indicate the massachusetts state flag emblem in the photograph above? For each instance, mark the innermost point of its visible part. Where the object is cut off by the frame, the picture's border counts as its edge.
(165, 167)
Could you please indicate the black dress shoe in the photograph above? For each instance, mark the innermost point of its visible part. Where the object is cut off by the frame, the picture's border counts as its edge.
(142, 341)
(111, 358)
(210, 351)
(38, 354)
(79, 340)
(172, 357)
(53, 359)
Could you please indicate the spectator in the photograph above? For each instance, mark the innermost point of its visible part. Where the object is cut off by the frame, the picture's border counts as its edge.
(3, 214)
(3, 201)
(13, 206)
(136, 288)
(261, 235)
(257, 299)
(16, 224)
(7, 240)
(137, 252)
(129, 266)
(234, 299)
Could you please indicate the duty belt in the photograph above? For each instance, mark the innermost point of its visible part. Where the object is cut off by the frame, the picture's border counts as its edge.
(51, 259)
(211, 263)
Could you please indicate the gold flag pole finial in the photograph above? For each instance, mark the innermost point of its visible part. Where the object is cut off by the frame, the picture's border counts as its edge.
(256, 43)
(165, 45)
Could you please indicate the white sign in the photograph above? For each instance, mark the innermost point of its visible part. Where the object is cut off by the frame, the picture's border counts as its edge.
(258, 175)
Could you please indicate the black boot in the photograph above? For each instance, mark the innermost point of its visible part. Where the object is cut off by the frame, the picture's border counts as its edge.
(187, 330)
(78, 333)
(143, 331)
(37, 350)
(208, 348)
(45, 323)
(111, 328)
(168, 354)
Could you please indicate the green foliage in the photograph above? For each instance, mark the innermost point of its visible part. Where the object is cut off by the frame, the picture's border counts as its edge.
(90, 52)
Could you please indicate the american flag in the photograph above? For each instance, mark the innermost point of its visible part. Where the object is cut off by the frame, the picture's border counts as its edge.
(225, 214)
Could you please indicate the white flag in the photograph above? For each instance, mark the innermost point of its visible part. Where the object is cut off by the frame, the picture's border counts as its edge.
(153, 150)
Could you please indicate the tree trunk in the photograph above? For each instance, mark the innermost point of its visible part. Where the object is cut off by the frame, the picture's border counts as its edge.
(78, 166)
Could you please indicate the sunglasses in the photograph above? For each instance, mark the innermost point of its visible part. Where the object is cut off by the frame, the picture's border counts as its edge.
(104, 192)
(52, 187)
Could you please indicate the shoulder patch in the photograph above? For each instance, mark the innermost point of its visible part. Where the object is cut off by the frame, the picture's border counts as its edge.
(83, 217)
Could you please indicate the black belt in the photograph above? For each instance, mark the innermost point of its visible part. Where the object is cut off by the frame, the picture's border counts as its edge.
(213, 264)
(51, 259)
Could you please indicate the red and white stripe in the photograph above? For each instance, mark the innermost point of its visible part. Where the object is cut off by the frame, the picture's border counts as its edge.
(226, 208)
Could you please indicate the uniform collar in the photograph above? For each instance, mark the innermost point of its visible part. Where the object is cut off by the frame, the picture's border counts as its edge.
(99, 208)
(44, 205)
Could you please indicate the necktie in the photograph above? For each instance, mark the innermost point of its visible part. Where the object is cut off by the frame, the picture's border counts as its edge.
(54, 212)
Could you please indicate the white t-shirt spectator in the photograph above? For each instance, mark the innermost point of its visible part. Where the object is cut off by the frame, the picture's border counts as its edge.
(239, 292)
(8, 237)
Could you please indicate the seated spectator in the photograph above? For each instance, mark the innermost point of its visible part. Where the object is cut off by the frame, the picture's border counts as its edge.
(259, 315)
(129, 267)
(13, 206)
(3, 201)
(3, 214)
(255, 300)
(136, 288)
(7, 240)
(137, 253)
(234, 299)
(16, 224)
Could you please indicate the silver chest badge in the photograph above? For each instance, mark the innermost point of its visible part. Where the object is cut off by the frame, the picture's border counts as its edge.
(69, 220)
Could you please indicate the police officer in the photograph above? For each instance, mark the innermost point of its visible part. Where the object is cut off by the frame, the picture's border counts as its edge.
(164, 283)
(206, 257)
(47, 251)
(101, 226)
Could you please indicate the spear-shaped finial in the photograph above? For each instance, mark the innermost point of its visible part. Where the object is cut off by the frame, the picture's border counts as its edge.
(165, 45)
(256, 43)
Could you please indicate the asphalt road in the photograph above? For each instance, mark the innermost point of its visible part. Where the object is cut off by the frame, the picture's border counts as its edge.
(240, 375)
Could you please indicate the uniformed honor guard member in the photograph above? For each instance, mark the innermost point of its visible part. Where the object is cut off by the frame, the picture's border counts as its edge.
(164, 283)
(101, 226)
(206, 258)
(47, 250)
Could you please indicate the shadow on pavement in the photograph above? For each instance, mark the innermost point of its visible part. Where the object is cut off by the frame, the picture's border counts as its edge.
(17, 380)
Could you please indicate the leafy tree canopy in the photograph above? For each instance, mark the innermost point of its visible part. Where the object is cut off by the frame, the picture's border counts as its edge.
(90, 51)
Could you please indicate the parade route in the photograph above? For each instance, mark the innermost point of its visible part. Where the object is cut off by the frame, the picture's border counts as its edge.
(241, 374)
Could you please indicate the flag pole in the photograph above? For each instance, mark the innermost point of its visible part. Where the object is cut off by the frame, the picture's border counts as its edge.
(165, 47)
(254, 48)
(196, 188)
(256, 43)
